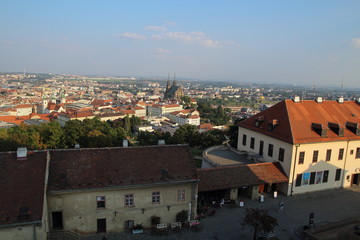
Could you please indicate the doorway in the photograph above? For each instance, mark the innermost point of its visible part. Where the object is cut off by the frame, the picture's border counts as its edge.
(355, 179)
(57, 220)
(101, 225)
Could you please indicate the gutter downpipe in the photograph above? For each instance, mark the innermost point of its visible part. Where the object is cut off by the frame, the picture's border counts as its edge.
(346, 154)
(34, 231)
(293, 175)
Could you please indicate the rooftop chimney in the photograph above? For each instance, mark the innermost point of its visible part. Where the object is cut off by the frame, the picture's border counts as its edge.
(319, 99)
(341, 100)
(21, 153)
(296, 99)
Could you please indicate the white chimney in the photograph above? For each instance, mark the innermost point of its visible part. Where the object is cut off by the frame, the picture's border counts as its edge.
(319, 99)
(125, 143)
(341, 100)
(296, 99)
(21, 152)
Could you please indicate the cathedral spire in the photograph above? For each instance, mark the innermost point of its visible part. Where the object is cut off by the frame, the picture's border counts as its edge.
(174, 83)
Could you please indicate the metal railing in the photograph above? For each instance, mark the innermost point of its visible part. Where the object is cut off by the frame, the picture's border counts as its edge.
(63, 235)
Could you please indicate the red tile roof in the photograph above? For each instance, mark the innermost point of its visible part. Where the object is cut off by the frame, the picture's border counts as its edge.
(239, 176)
(113, 167)
(22, 185)
(294, 120)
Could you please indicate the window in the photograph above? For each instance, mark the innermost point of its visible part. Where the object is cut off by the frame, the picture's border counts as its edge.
(341, 154)
(281, 154)
(252, 143)
(270, 150)
(301, 157)
(351, 152)
(244, 140)
(326, 175)
(357, 153)
(315, 156)
(156, 197)
(328, 155)
(181, 195)
(261, 148)
(312, 177)
(100, 202)
(298, 180)
(129, 200)
(338, 174)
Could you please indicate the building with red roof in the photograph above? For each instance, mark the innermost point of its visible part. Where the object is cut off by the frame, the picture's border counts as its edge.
(316, 142)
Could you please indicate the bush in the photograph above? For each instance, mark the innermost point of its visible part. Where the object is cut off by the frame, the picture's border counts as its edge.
(182, 217)
(154, 220)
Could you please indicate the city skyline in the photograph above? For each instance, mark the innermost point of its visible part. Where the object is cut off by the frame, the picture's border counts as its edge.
(310, 43)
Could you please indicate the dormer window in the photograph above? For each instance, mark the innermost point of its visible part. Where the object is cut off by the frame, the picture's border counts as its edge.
(319, 129)
(336, 128)
(258, 121)
(353, 127)
(272, 124)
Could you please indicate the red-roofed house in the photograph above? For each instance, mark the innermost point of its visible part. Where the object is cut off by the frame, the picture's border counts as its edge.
(162, 110)
(23, 206)
(316, 142)
(106, 190)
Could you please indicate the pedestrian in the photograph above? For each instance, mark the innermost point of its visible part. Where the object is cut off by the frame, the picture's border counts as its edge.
(281, 207)
(222, 202)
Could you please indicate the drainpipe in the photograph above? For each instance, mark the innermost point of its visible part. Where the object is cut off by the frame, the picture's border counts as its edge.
(293, 175)
(34, 231)
(346, 154)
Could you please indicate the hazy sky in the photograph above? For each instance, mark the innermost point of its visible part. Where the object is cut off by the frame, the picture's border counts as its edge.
(271, 41)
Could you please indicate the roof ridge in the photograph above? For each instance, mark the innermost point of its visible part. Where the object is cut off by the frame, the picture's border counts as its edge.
(289, 120)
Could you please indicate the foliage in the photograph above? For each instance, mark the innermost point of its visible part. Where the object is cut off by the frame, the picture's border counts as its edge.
(182, 216)
(216, 115)
(259, 220)
(155, 220)
(138, 227)
(93, 133)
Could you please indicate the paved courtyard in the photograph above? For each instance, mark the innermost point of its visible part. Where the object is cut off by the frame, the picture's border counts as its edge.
(328, 206)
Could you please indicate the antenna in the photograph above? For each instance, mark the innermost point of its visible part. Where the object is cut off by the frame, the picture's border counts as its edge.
(341, 88)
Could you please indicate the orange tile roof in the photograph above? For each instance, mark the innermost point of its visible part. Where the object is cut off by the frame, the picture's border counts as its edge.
(240, 176)
(294, 120)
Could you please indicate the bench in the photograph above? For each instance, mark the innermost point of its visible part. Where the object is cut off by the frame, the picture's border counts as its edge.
(176, 226)
(194, 223)
(161, 227)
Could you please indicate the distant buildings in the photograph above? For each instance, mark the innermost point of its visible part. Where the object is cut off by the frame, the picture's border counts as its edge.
(174, 91)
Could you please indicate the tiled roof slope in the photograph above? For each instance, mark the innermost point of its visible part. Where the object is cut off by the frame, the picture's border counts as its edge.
(116, 167)
(239, 176)
(294, 120)
(22, 185)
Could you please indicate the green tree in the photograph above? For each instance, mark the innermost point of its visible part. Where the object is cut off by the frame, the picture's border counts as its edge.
(73, 131)
(52, 135)
(95, 138)
(259, 220)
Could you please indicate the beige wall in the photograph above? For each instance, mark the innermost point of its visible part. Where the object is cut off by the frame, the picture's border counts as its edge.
(25, 232)
(292, 168)
(80, 212)
(352, 165)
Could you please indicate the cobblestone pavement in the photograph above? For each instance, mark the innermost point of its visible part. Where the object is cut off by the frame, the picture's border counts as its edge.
(328, 206)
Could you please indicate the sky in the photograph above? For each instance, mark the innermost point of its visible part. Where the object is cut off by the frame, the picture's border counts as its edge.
(294, 42)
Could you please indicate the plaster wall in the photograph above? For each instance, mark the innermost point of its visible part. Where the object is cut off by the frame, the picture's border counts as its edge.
(80, 212)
